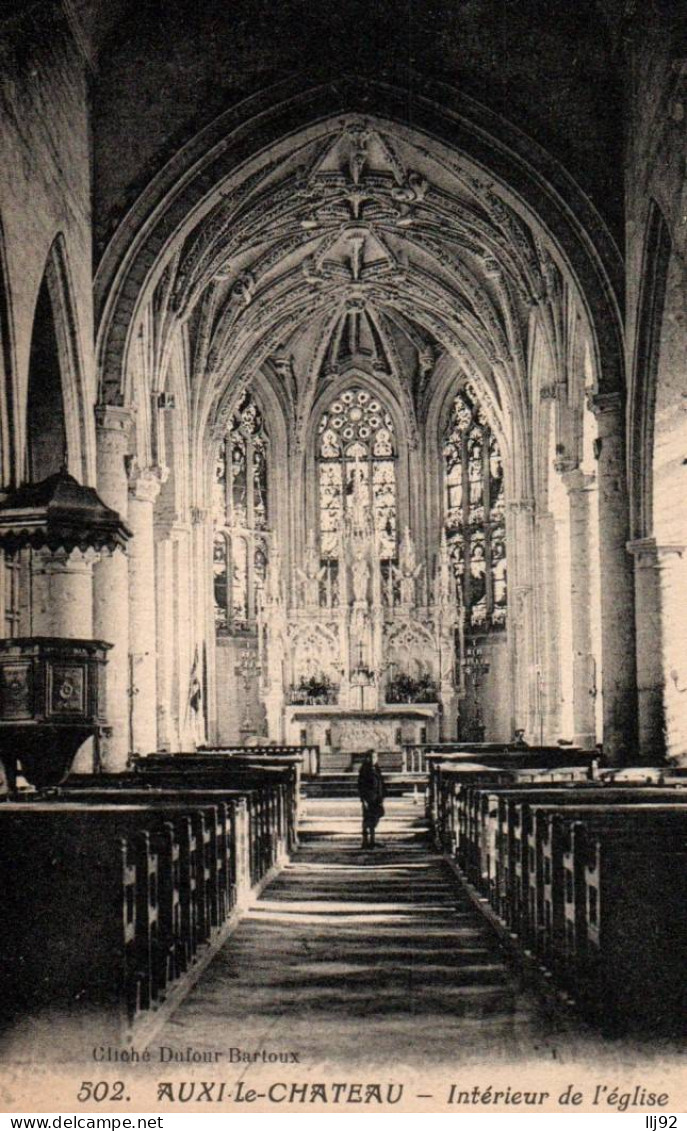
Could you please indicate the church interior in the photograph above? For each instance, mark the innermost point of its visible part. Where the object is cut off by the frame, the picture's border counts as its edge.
(343, 408)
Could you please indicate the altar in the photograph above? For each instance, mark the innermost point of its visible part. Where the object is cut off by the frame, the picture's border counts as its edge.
(360, 651)
(347, 731)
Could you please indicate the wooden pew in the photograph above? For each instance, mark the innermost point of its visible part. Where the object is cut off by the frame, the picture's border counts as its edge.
(547, 858)
(268, 789)
(309, 755)
(565, 762)
(231, 857)
(80, 897)
(181, 843)
(242, 770)
(203, 847)
(510, 877)
(623, 956)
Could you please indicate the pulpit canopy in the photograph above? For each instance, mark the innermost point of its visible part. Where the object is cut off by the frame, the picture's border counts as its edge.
(59, 513)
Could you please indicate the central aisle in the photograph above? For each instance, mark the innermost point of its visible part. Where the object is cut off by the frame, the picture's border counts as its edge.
(355, 957)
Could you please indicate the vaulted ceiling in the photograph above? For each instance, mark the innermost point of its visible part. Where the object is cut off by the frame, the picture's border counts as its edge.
(165, 69)
(360, 247)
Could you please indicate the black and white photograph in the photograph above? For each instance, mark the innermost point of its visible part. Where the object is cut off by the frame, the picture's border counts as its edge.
(343, 556)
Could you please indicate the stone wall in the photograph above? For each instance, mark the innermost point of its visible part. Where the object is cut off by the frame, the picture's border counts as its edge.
(45, 194)
(656, 194)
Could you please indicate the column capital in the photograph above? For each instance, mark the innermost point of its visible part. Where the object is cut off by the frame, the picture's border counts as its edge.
(576, 481)
(648, 553)
(145, 482)
(608, 410)
(602, 403)
(113, 418)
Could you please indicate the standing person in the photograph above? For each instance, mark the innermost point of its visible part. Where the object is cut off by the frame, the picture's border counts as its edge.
(371, 792)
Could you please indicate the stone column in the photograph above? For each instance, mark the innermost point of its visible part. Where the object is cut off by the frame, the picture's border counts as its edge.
(619, 681)
(672, 583)
(111, 585)
(144, 488)
(659, 596)
(579, 486)
(550, 686)
(184, 631)
(523, 621)
(203, 616)
(166, 736)
(62, 585)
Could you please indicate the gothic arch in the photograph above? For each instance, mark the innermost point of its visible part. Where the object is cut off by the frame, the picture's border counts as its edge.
(10, 439)
(79, 436)
(654, 276)
(273, 408)
(178, 196)
(436, 424)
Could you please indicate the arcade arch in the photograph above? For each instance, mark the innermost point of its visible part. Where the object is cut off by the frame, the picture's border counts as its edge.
(357, 245)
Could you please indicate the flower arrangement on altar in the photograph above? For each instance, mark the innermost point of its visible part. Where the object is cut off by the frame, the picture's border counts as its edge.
(404, 688)
(314, 691)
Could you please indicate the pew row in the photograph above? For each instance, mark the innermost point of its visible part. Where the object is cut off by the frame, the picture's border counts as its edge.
(309, 756)
(586, 880)
(116, 890)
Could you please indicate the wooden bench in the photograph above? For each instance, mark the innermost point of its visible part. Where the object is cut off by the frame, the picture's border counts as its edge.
(548, 856)
(263, 771)
(309, 755)
(565, 763)
(81, 893)
(241, 771)
(618, 938)
(154, 863)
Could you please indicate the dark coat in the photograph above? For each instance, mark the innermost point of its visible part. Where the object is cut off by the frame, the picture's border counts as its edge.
(371, 785)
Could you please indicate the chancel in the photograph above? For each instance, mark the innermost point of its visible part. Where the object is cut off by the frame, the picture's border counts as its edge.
(383, 474)
(342, 410)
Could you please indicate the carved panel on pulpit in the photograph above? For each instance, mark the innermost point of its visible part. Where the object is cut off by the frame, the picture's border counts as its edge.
(67, 690)
(16, 691)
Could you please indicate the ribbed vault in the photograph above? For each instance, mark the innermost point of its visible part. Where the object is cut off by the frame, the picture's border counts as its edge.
(359, 246)
(308, 252)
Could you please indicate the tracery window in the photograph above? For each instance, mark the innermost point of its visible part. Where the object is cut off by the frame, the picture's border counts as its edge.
(241, 519)
(474, 515)
(356, 461)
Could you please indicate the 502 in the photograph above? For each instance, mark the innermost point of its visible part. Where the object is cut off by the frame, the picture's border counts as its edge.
(101, 1090)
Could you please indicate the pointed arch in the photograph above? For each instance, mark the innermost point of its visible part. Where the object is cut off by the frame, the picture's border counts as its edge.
(536, 183)
(56, 379)
(405, 455)
(473, 507)
(9, 430)
(654, 276)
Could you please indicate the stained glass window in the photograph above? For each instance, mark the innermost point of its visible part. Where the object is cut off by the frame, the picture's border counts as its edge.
(240, 502)
(474, 515)
(357, 468)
